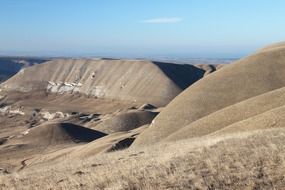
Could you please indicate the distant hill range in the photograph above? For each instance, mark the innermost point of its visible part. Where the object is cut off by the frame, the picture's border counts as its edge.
(9, 66)
(128, 80)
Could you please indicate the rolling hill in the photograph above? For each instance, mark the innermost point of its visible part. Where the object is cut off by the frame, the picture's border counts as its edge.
(135, 81)
(239, 91)
(83, 107)
(125, 124)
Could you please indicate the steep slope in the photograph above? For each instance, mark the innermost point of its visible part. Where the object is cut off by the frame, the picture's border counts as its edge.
(271, 119)
(232, 114)
(246, 78)
(135, 81)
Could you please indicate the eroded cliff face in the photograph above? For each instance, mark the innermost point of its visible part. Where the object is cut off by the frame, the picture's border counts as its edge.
(135, 81)
(65, 87)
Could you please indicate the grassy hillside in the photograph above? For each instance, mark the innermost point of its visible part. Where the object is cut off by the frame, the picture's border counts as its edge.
(245, 79)
(238, 161)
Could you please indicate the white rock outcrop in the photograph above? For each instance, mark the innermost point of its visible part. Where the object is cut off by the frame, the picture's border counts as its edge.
(65, 87)
(8, 110)
(50, 116)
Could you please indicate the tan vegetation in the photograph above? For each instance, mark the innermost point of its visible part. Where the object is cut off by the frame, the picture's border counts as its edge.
(116, 130)
(253, 160)
(225, 90)
(128, 80)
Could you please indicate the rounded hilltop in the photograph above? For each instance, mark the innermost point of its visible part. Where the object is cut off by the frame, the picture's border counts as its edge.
(139, 81)
(239, 91)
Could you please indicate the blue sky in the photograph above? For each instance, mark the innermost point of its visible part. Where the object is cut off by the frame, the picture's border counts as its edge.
(140, 28)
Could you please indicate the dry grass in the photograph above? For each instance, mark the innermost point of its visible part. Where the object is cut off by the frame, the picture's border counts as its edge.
(243, 161)
(247, 78)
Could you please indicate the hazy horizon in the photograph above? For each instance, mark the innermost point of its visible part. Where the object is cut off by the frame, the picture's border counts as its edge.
(179, 56)
(139, 29)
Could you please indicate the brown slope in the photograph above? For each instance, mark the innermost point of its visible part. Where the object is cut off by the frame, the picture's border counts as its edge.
(274, 118)
(209, 68)
(246, 78)
(231, 114)
(273, 47)
(44, 139)
(126, 121)
(137, 81)
(109, 143)
(56, 134)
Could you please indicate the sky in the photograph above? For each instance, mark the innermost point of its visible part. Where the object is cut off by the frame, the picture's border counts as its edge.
(140, 28)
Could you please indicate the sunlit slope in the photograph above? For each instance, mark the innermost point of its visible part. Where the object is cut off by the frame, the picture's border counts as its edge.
(137, 81)
(244, 79)
(232, 114)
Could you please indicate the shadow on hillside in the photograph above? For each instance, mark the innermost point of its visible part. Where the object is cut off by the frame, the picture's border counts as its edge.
(182, 75)
(123, 144)
(81, 134)
(9, 66)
